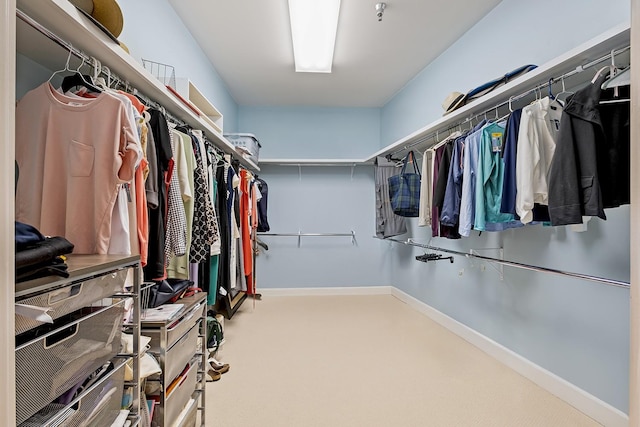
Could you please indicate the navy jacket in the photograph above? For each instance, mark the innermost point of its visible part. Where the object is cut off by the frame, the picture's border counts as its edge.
(509, 150)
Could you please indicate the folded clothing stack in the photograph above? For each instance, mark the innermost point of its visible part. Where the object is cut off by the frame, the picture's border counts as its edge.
(39, 256)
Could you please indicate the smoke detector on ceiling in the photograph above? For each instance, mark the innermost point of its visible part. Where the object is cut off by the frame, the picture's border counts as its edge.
(380, 10)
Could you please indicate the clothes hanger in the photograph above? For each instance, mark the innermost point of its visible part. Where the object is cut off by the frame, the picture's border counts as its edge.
(551, 96)
(614, 72)
(390, 158)
(400, 162)
(501, 119)
(97, 77)
(219, 157)
(599, 72)
(97, 68)
(78, 79)
(435, 137)
(554, 104)
(563, 92)
(443, 142)
(66, 66)
(622, 78)
(616, 101)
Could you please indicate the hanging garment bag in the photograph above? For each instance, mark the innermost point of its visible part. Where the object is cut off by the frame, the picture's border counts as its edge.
(404, 189)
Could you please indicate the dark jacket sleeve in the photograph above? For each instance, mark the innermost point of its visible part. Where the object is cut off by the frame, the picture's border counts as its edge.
(443, 174)
(451, 202)
(565, 188)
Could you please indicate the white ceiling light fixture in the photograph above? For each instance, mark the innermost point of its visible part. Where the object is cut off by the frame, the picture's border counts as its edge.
(314, 24)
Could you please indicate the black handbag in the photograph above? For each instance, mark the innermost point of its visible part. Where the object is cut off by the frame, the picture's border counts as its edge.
(161, 292)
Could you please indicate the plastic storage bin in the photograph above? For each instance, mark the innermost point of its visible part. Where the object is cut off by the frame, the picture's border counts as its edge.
(246, 141)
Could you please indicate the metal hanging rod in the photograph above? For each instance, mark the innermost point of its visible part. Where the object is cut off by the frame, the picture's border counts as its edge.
(610, 282)
(446, 131)
(308, 234)
(299, 235)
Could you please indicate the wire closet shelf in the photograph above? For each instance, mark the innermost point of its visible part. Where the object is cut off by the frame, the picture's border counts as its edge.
(441, 134)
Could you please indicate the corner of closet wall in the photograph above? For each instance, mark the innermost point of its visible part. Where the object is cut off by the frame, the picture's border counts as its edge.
(318, 199)
(174, 45)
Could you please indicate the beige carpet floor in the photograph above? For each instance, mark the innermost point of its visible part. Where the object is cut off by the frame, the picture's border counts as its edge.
(352, 361)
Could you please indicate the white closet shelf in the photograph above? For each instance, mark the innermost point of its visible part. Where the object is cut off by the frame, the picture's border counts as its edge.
(313, 162)
(614, 38)
(64, 20)
(209, 112)
(249, 163)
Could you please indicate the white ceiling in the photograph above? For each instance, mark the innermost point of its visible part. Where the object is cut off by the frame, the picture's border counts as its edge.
(249, 42)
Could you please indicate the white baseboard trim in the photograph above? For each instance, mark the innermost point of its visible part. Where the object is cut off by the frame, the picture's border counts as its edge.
(355, 290)
(586, 403)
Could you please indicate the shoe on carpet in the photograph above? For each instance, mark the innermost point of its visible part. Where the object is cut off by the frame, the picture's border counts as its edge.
(217, 366)
(213, 375)
(214, 363)
(223, 369)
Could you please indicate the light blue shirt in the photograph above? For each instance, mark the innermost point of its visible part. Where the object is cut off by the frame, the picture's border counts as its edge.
(469, 164)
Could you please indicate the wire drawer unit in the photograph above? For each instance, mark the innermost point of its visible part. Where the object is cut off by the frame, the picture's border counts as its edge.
(48, 366)
(71, 297)
(99, 405)
(56, 362)
(179, 344)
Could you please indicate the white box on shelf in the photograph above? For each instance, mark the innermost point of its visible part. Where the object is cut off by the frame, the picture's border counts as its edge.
(246, 143)
(209, 112)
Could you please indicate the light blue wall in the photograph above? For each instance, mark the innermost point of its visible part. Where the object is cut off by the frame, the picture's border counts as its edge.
(30, 74)
(312, 132)
(514, 33)
(574, 328)
(153, 31)
(321, 200)
(324, 199)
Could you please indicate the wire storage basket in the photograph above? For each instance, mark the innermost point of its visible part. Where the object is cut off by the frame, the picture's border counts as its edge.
(145, 297)
(164, 72)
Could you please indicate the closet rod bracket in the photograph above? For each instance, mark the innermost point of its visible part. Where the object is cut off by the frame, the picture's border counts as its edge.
(496, 265)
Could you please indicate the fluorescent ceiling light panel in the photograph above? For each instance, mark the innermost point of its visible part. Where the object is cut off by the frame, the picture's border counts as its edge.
(313, 28)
